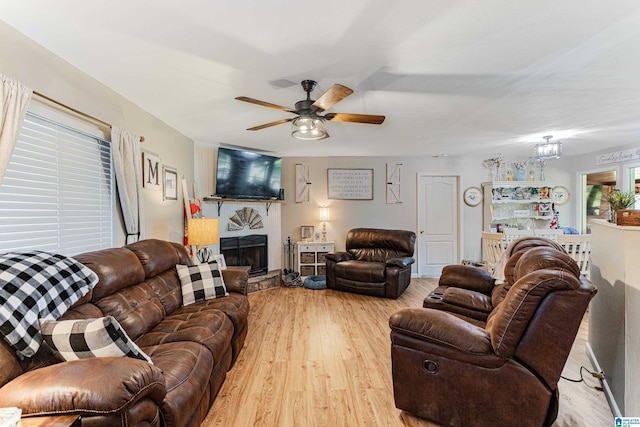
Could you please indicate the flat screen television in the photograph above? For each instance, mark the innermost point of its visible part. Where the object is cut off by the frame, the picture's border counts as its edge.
(247, 175)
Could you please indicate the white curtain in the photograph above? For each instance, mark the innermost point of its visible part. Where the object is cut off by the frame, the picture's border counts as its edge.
(14, 100)
(127, 162)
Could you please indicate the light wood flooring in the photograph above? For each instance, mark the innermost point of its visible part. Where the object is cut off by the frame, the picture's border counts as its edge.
(322, 358)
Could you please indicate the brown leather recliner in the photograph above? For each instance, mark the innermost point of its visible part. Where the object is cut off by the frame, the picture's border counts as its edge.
(504, 371)
(472, 292)
(376, 262)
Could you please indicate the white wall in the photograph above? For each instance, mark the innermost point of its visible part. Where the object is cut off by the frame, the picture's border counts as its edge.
(39, 69)
(347, 214)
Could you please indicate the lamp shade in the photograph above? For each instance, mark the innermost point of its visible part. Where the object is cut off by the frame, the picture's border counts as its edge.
(202, 231)
(324, 213)
(309, 128)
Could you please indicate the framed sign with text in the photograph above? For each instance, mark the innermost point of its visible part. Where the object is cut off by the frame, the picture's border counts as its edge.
(350, 184)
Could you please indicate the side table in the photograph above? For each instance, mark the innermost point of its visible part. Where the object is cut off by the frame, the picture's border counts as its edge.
(311, 259)
(71, 420)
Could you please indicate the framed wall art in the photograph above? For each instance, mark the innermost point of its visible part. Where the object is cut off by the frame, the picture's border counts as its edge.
(222, 263)
(306, 233)
(303, 182)
(560, 195)
(393, 182)
(350, 184)
(170, 181)
(472, 196)
(151, 170)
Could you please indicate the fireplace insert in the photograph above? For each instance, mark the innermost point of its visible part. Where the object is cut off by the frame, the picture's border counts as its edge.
(248, 250)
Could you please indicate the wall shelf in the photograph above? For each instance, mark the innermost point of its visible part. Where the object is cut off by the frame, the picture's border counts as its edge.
(514, 202)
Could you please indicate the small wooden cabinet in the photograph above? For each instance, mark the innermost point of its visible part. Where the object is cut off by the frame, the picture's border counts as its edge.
(311, 257)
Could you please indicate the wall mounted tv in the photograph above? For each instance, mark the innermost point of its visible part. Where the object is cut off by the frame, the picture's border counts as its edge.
(247, 175)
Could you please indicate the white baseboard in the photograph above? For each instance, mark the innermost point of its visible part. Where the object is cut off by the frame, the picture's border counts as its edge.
(605, 385)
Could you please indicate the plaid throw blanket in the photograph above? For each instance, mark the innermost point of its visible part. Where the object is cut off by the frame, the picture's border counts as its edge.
(37, 285)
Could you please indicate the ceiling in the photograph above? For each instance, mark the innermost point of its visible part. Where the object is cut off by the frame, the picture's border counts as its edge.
(452, 77)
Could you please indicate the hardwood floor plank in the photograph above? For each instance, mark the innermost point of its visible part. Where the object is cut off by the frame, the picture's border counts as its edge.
(323, 358)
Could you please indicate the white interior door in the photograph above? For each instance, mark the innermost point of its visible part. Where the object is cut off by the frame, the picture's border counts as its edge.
(438, 225)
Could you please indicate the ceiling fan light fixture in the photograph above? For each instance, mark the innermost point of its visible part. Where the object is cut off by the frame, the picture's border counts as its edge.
(309, 128)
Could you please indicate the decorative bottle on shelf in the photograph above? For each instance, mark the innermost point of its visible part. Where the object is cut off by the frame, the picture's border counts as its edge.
(519, 174)
(509, 175)
(532, 175)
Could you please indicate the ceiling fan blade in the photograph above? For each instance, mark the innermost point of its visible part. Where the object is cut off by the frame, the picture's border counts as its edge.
(355, 118)
(267, 125)
(331, 97)
(264, 104)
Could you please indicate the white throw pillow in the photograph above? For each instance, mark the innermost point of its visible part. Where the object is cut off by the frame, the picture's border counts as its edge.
(86, 338)
(201, 282)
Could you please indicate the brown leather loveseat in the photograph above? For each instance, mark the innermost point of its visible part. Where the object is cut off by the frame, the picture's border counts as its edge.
(192, 347)
(459, 371)
(377, 262)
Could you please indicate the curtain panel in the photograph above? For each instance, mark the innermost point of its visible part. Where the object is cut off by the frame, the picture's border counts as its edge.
(14, 100)
(127, 164)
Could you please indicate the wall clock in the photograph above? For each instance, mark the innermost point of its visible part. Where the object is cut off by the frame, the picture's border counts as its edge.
(560, 195)
(472, 196)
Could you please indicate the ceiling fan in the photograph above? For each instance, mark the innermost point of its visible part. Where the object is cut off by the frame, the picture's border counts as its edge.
(308, 123)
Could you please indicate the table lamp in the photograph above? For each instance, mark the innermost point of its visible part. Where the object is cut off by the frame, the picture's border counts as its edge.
(324, 217)
(202, 232)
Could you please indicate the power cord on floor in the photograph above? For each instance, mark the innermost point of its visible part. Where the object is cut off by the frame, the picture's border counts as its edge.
(599, 375)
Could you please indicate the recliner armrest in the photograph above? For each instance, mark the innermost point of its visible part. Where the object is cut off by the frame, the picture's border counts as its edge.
(442, 329)
(339, 256)
(402, 262)
(235, 280)
(467, 277)
(100, 385)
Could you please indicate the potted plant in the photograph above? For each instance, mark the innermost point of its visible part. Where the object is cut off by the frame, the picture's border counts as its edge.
(619, 200)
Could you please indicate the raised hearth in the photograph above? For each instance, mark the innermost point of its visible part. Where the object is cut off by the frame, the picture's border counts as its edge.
(272, 279)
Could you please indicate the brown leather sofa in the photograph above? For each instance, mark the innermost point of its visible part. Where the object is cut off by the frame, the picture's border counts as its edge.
(376, 262)
(504, 371)
(473, 292)
(192, 347)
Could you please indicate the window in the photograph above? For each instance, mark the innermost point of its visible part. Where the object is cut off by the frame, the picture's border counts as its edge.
(57, 193)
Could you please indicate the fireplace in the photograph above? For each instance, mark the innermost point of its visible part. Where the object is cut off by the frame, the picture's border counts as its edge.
(248, 250)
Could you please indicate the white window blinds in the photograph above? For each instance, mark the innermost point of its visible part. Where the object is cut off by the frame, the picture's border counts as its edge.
(57, 192)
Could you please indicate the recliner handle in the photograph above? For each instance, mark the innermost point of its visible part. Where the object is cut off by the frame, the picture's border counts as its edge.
(430, 366)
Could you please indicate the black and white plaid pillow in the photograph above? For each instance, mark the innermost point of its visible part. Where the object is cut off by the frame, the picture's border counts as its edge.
(86, 338)
(36, 285)
(201, 282)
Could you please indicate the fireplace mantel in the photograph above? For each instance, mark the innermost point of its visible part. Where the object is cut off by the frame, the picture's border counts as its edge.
(221, 200)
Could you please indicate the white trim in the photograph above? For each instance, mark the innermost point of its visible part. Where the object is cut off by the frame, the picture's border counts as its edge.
(579, 193)
(625, 173)
(605, 385)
